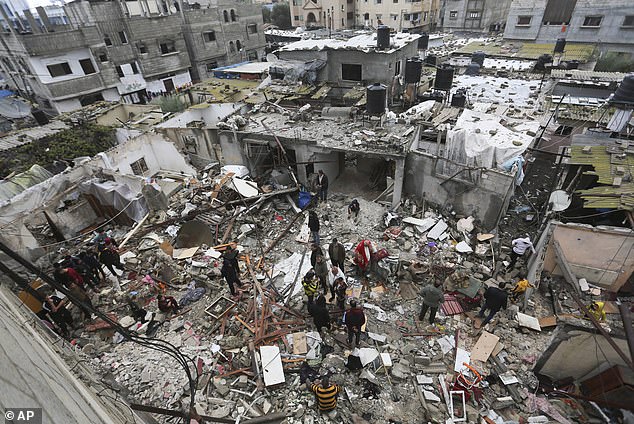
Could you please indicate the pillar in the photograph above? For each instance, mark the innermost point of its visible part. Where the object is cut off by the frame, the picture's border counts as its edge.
(399, 176)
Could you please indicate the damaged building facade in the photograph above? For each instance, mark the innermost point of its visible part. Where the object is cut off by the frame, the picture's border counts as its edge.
(131, 51)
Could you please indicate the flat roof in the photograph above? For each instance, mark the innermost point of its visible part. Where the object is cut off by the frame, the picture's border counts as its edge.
(363, 42)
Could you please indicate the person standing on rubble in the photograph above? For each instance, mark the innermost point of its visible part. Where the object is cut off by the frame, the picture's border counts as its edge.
(520, 246)
(354, 318)
(111, 259)
(353, 209)
(55, 307)
(230, 269)
(340, 292)
(337, 253)
(313, 226)
(334, 273)
(167, 304)
(326, 395)
(319, 312)
(321, 271)
(315, 251)
(520, 288)
(494, 299)
(310, 282)
(433, 296)
(322, 186)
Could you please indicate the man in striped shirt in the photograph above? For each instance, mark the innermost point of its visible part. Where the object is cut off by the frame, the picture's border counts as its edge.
(326, 394)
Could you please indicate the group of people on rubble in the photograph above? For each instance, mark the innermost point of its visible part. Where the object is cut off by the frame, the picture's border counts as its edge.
(78, 273)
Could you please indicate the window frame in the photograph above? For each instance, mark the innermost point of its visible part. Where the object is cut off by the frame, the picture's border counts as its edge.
(139, 167)
(588, 19)
(123, 37)
(519, 20)
(87, 61)
(625, 24)
(167, 43)
(348, 72)
(209, 36)
(252, 29)
(64, 65)
(453, 14)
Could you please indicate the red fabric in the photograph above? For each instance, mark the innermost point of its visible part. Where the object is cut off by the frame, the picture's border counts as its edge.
(360, 257)
(75, 276)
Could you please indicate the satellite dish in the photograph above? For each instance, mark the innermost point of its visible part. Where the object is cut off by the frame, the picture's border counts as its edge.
(560, 200)
(271, 58)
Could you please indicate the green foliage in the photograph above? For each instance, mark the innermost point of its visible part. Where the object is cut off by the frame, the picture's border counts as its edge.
(266, 15)
(281, 16)
(615, 62)
(82, 140)
(171, 104)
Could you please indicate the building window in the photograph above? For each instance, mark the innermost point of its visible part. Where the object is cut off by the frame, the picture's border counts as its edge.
(425, 16)
(394, 1)
(524, 20)
(393, 16)
(142, 48)
(474, 14)
(379, 1)
(406, 17)
(225, 15)
(103, 57)
(628, 21)
(209, 36)
(558, 12)
(349, 16)
(123, 37)
(252, 56)
(139, 167)
(107, 40)
(233, 15)
(209, 67)
(167, 47)
(397, 68)
(252, 29)
(87, 66)
(366, 16)
(351, 72)
(59, 69)
(453, 14)
(119, 71)
(232, 47)
(296, 17)
(135, 67)
(379, 16)
(238, 45)
(592, 21)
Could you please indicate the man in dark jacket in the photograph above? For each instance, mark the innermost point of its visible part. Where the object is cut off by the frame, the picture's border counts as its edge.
(494, 300)
(337, 254)
(313, 226)
(354, 320)
(230, 269)
(315, 251)
(319, 312)
(322, 186)
(433, 296)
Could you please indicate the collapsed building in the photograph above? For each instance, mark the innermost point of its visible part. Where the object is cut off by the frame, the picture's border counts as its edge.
(441, 188)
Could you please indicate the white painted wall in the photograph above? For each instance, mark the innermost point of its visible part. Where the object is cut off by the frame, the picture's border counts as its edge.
(66, 105)
(39, 65)
(157, 86)
(111, 95)
(210, 115)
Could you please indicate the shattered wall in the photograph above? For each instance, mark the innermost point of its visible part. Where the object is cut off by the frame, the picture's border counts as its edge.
(609, 262)
(486, 199)
(579, 353)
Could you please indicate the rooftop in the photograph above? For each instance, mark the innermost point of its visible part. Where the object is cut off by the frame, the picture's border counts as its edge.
(364, 42)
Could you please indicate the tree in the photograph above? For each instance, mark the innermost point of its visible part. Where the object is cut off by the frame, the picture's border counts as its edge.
(266, 14)
(281, 16)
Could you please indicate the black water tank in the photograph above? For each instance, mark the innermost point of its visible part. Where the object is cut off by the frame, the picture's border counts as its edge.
(560, 45)
(430, 60)
(40, 117)
(472, 69)
(383, 37)
(376, 95)
(478, 57)
(459, 99)
(444, 77)
(423, 41)
(625, 92)
(542, 61)
(413, 70)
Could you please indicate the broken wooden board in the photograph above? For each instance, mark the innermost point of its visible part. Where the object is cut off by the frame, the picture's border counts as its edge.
(167, 248)
(546, 322)
(299, 343)
(484, 347)
(272, 370)
(528, 321)
(185, 253)
(219, 307)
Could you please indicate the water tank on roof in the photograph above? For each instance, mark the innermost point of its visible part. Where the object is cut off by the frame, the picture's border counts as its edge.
(376, 95)
(423, 41)
(625, 92)
(542, 61)
(413, 70)
(478, 57)
(430, 60)
(459, 99)
(560, 45)
(444, 77)
(472, 69)
(383, 37)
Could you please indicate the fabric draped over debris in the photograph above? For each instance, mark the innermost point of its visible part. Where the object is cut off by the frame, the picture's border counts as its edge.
(117, 195)
(18, 183)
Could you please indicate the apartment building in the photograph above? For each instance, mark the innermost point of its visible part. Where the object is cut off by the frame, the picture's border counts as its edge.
(400, 15)
(609, 23)
(474, 15)
(128, 50)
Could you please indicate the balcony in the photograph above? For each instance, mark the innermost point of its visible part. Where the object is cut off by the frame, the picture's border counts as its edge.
(76, 86)
(60, 42)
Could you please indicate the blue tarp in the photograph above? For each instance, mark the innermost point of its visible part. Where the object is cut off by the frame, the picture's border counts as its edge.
(5, 93)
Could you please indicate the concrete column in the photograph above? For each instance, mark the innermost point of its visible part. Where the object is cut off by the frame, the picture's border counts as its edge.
(34, 26)
(399, 176)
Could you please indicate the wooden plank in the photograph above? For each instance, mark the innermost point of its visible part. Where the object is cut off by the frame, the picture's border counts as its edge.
(545, 322)
(299, 343)
(484, 346)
